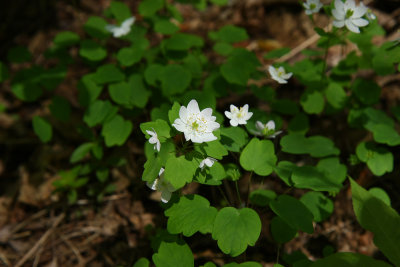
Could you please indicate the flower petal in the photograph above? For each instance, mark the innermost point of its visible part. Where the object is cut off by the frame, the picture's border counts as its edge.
(338, 23)
(193, 107)
(351, 26)
(165, 196)
(360, 22)
(207, 112)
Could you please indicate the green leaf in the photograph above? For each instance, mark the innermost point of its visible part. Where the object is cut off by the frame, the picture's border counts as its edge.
(174, 79)
(152, 168)
(277, 53)
(312, 102)
(223, 49)
(142, 262)
(116, 131)
(165, 27)
(262, 197)
(239, 66)
(229, 34)
(161, 127)
(98, 112)
(259, 156)
(281, 231)
(96, 27)
(120, 11)
(381, 194)
(172, 254)
(336, 95)
(236, 229)
(320, 205)
(26, 91)
(384, 59)
(182, 42)
(173, 114)
(384, 134)
(187, 169)
(60, 108)
(128, 56)
(243, 264)
(108, 73)
(19, 54)
(299, 124)
(92, 51)
(312, 178)
(379, 160)
(148, 8)
(348, 259)
(191, 214)
(130, 94)
(219, 2)
(368, 92)
(153, 73)
(42, 129)
(374, 215)
(212, 149)
(88, 90)
(3, 72)
(213, 175)
(80, 152)
(233, 138)
(66, 38)
(316, 146)
(293, 212)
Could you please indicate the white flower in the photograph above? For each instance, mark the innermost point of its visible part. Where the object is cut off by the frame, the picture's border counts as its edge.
(161, 185)
(195, 124)
(312, 6)
(279, 74)
(154, 140)
(350, 15)
(122, 30)
(267, 130)
(370, 15)
(209, 161)
(238, 116)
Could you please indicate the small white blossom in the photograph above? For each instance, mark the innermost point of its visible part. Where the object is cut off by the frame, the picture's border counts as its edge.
(238, 116)
(370, 15)
(209, 161)
(122, 30)
(312, 6)
(279, 74)
(161, 185)
(195, 124)
(267, 130)
(349, 14)
(154, 140)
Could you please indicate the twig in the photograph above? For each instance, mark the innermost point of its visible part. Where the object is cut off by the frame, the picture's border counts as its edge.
(41, 241)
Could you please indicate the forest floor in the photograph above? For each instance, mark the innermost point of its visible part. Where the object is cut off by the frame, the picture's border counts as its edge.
(37, 229)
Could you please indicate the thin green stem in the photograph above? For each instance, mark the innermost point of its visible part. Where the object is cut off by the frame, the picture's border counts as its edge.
(223, 194)
(238, 193)
(277, 254)
(248, 189)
